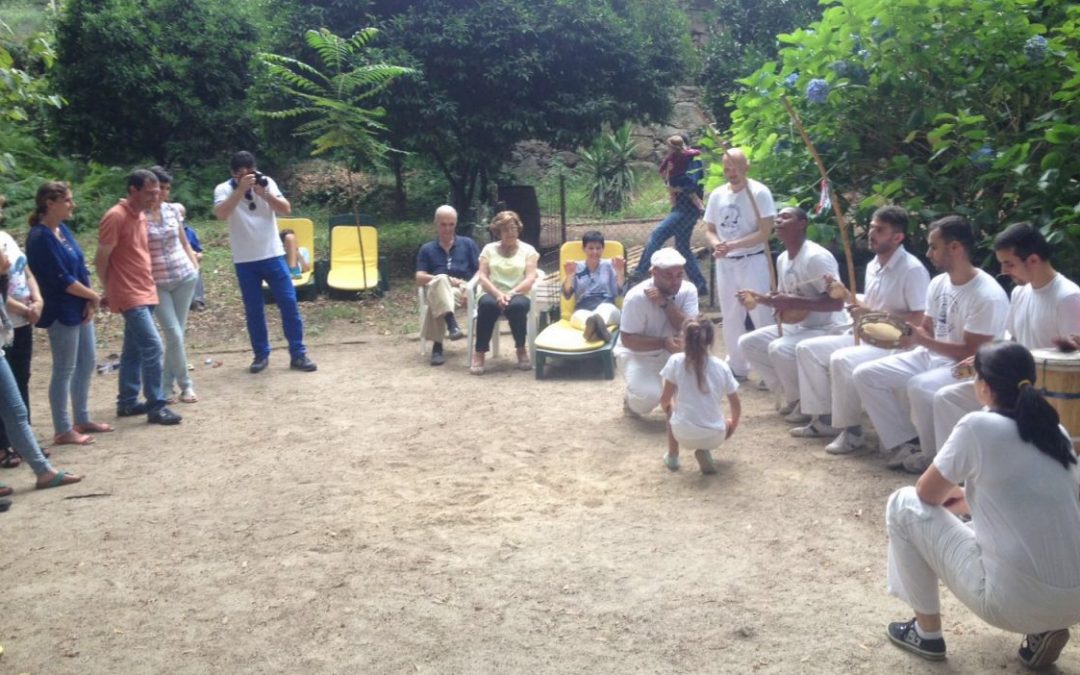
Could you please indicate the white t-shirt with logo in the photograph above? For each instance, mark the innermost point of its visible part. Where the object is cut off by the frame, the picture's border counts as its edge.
(979, 307)
(18, 287)
(732, 214)
(1038, 315)
(642, 316)
(805, 277)
(253, 232)
(693, 407)
(899, 286)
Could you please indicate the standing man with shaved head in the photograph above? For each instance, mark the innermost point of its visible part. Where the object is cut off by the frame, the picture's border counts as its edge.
(738, 230)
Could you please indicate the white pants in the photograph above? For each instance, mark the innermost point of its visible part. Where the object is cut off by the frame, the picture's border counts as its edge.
(825, 367)
(441, 298)
(698, 438)
(773, 357)
(751, 272)
(641, 370)
(609, 312)
(927, 543)
(893, 387)
(950, 404)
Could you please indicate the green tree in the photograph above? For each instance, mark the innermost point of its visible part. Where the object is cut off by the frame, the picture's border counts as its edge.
(607, 167)
(22, 94)
(160, 79)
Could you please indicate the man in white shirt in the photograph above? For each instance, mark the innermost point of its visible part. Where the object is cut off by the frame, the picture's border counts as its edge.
(803, 270)
(251, 202)
(650, 329)
(1044, 307)
(738, 229)
(965, 308)
(896, 283)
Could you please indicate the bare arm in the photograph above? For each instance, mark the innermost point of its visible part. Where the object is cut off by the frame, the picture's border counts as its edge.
(957, 351)
(187, 246)
(935, 490)
(667, 397)
(526, 284)
(223, 210)
(279, 205)
(736, 413)
(101, 263)
(31, 310)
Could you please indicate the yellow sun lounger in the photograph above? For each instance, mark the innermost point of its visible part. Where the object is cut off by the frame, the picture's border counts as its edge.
(305, 238)
(354, 259)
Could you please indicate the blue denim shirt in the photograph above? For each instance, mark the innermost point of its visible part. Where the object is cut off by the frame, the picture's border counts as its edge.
(462, 262)
(56, 265)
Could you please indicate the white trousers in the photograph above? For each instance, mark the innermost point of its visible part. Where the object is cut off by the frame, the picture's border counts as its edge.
(825, 366)
(928, 543)
(698, 438)
(641, 371)
(952, 402)
(441, 298)
(773, 357)
(608, 311)
(899, 389)
(751, 272)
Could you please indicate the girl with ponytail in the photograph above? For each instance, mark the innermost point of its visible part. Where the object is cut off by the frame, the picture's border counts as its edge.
(1017, 565)
(695, 383)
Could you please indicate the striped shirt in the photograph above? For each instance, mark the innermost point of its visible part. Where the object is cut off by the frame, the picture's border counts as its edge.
(169, 261)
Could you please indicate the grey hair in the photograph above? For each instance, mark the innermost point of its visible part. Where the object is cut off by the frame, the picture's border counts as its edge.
(445, 210)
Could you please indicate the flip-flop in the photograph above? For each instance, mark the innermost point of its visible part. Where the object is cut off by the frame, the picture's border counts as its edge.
(9, 459)
(59, 480)
(78, 439)
(93, 428)
(5, 490)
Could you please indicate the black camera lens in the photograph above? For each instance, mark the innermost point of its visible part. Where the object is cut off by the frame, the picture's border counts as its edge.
(261, 180)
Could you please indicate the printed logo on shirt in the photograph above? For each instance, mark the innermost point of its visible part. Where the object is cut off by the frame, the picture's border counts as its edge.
(729, 226)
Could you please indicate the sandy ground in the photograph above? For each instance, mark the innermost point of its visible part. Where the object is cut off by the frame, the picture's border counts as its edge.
(381, 515)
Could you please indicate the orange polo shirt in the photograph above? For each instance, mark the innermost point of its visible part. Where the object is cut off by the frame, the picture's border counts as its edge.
(129, 282)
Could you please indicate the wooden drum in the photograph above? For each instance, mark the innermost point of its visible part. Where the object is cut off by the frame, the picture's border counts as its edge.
(1058, 376)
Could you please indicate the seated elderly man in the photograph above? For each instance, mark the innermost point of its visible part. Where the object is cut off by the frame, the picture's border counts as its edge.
(443, 268)
(649, 331)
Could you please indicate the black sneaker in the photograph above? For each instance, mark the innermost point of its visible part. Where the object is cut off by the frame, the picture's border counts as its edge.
(455, 334)
(437, 358)
(131, 411)
(905, 636)
(259, 364)
(303, 363)
(1039, 650)
(163, 416)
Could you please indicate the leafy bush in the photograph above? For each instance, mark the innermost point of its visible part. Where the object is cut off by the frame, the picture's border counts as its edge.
(323, 183)
(607, 166)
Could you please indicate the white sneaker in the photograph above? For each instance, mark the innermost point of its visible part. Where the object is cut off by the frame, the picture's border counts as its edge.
(816, 429)
(846, 443)
(917, 463)
(900, 453)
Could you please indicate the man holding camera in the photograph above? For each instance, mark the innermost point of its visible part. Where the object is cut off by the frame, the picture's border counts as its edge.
(251, 202)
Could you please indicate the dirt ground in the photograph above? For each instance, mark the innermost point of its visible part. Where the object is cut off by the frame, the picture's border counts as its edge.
(381, 515)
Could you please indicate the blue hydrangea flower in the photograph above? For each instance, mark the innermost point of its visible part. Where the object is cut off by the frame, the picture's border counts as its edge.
(1035, 49)
(983, 157)
(841, 68)
(862, 54)
(817, 91)
(791, 80)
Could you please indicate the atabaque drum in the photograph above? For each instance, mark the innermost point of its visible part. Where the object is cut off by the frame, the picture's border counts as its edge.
(1058, 378)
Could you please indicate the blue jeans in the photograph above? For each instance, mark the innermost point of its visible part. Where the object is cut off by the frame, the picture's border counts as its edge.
(13, 415)
(140, 360)
(679, 224)
(275, 272)
(73, 354)
(174, 303)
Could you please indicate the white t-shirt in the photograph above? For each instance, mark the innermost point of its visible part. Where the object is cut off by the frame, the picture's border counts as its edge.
(1038, 315)
(1024, 504)
(641, 316)
(805, 277)
(253, 233)
(692, 406)
(898, 287)
(732, 214)
(18, 288)
(978, 307)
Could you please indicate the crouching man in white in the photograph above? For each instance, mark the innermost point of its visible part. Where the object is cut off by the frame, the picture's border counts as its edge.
(1044, 307)
(803, 270)
(652, 317)
(1015, 566)
(895, 283)
(965, 308)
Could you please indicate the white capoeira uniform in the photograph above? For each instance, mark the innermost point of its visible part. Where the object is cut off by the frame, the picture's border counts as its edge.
(771, 355)
(1036, 317)
(978, 307)
(641, 316)
(1015, 565)
(732, 216)
(827, 363)
(697, 418)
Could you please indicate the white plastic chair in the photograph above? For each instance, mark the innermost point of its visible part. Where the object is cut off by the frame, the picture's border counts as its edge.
(530, 321)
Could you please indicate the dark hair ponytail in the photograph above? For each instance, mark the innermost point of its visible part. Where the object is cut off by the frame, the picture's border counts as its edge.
(698, 336)
(1009, 370)
(49, 191)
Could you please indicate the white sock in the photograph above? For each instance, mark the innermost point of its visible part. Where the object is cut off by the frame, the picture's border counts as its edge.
(927, 634)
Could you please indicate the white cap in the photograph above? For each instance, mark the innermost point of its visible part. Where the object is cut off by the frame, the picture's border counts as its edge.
(667, 258)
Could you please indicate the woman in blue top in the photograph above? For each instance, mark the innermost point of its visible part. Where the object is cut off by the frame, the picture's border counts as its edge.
(60, 267)
(594, 284)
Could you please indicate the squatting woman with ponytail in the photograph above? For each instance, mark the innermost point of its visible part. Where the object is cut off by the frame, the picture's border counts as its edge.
(695, 384)
(1017, 566)
(70, 304)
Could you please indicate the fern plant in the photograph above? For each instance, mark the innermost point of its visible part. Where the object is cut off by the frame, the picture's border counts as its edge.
(608, 170)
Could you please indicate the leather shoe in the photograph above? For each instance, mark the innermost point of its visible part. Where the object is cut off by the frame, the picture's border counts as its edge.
(303, 363)
(259, 364)
(437, 358)
(131, 411)
(163, 416)
(455, 334)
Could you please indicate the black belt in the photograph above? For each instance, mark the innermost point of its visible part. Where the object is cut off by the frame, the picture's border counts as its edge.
(740, 257)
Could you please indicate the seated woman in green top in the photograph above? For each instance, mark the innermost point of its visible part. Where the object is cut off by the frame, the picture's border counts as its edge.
(507, 273)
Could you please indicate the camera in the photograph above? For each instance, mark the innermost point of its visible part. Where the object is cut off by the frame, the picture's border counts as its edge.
(261, 180)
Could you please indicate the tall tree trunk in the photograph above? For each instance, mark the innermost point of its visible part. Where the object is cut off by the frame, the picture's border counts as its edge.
(399, 184)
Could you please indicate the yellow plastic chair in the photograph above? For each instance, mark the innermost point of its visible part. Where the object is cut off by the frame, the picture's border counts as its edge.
(305, 237)
(562, 340)
(354, 259)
